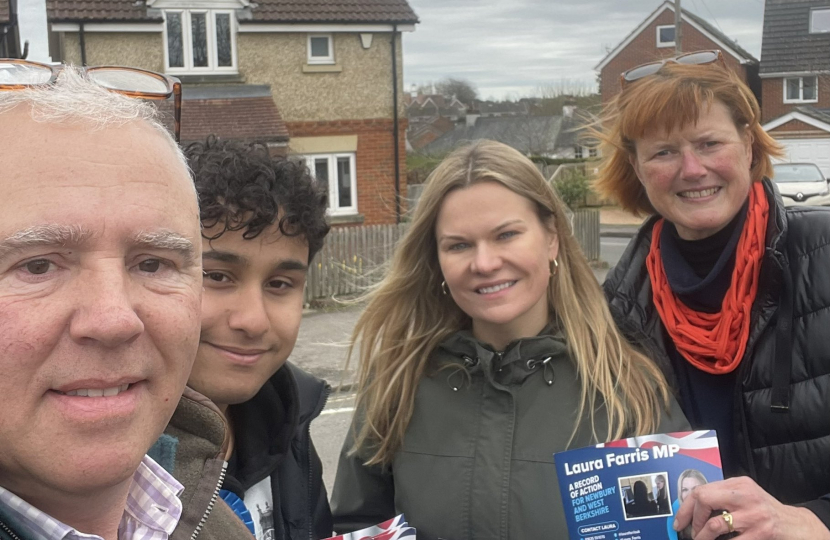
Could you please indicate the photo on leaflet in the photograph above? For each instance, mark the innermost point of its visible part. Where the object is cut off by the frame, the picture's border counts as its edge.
(645, 496)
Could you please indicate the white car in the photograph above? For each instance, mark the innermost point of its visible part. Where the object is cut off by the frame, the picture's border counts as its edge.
(801, 184)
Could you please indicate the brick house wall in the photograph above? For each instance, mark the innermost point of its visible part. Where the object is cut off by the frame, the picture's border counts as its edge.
(374, 162)
(643, 48)
(773, 98)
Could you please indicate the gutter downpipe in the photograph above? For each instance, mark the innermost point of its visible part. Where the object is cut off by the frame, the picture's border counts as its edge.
(395, 124)
(82, 42)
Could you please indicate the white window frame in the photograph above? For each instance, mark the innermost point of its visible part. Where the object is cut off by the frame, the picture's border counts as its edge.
(320, 59)
(579, 151)
(187, 41)
(812, 14)
(334, 203)
(800, 99)
(660, 43)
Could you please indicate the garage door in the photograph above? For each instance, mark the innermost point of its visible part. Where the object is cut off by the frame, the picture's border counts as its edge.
(809, 150)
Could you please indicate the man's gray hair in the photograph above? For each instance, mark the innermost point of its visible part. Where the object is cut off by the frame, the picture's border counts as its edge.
(74, 98)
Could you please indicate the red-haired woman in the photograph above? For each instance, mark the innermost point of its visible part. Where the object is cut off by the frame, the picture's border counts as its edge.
(728, 290)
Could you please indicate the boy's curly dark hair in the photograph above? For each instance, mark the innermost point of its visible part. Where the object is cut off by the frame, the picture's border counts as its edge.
(243, 188)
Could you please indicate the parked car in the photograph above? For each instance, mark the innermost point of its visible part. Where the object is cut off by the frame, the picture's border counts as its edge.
(801, 184)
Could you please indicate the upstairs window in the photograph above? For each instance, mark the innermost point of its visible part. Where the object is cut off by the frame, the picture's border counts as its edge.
(820, 20)
(665, 36)
(200, 41)
(320, 49)
(800, 90)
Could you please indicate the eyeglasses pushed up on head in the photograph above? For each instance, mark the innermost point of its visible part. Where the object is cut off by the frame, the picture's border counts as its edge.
(133, 82)
(650, 68)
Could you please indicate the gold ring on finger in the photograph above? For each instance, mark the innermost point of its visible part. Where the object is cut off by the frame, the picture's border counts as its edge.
(727, 517)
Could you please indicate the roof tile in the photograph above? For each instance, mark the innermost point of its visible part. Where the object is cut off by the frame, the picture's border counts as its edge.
(788, 46)
(98, 10)
(334, 11)
(282, 11)
(240, 118)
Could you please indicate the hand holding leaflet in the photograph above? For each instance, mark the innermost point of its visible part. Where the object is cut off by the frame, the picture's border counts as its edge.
(630, 489)
(752, 512)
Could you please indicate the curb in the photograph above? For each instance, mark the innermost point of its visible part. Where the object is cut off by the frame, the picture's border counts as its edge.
(345, 387)
(618, 234)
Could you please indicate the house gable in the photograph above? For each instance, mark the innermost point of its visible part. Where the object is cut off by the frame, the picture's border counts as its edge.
(641, 46)
(801, 123)
(722, 42)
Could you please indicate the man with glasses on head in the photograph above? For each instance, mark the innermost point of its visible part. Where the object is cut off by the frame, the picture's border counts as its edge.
(100, 290)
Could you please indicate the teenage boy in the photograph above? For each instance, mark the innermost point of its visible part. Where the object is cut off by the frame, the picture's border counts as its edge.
(263, 219)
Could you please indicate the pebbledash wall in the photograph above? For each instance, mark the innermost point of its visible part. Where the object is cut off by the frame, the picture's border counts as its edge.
(353, 96)
(135, 49)
(643, 48)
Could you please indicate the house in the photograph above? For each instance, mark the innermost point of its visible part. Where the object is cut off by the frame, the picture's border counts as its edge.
(549, 136)
(428, 106)
(9, 39)
(319, 79)
(653, 40)
(795, 78)
(429, 116)
(422, 132)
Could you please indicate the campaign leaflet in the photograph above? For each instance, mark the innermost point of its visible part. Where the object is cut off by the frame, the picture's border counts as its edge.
(631, 489)
(393, 529)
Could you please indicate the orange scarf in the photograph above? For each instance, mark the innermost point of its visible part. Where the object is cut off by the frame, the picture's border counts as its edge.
(715, 342)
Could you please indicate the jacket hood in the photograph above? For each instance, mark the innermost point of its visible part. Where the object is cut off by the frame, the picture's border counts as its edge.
(519, 360)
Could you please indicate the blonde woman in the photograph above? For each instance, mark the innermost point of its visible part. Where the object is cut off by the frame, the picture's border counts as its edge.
(487, 348)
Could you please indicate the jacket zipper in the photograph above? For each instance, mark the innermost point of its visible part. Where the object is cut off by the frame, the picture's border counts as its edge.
(212, 502)
(8, 531)
(326, 394)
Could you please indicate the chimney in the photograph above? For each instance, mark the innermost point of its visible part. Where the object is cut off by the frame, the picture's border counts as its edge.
(31, 19)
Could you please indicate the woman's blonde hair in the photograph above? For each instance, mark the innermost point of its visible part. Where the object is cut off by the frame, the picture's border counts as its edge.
(407, 316)
(673, 97)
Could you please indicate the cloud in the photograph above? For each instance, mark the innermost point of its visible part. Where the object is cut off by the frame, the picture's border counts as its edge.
(512, 48)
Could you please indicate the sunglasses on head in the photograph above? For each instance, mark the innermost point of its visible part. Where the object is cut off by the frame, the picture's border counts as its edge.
(650, 68)
(132, 82)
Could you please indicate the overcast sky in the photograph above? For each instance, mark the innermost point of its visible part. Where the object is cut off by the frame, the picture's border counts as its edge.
(511, 48)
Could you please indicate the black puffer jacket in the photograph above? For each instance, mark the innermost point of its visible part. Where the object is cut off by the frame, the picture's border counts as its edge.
(272, 439)
(782, 398)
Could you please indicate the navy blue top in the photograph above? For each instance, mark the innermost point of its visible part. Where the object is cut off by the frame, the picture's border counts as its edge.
(699, 272)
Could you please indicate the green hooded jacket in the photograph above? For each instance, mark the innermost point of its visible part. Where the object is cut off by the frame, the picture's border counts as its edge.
(477, 457)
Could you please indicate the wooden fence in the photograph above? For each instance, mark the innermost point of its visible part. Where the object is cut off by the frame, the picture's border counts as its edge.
(354, 258)
(585, 225)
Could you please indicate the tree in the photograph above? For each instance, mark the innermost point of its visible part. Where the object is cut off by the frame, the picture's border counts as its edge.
(463, 90)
